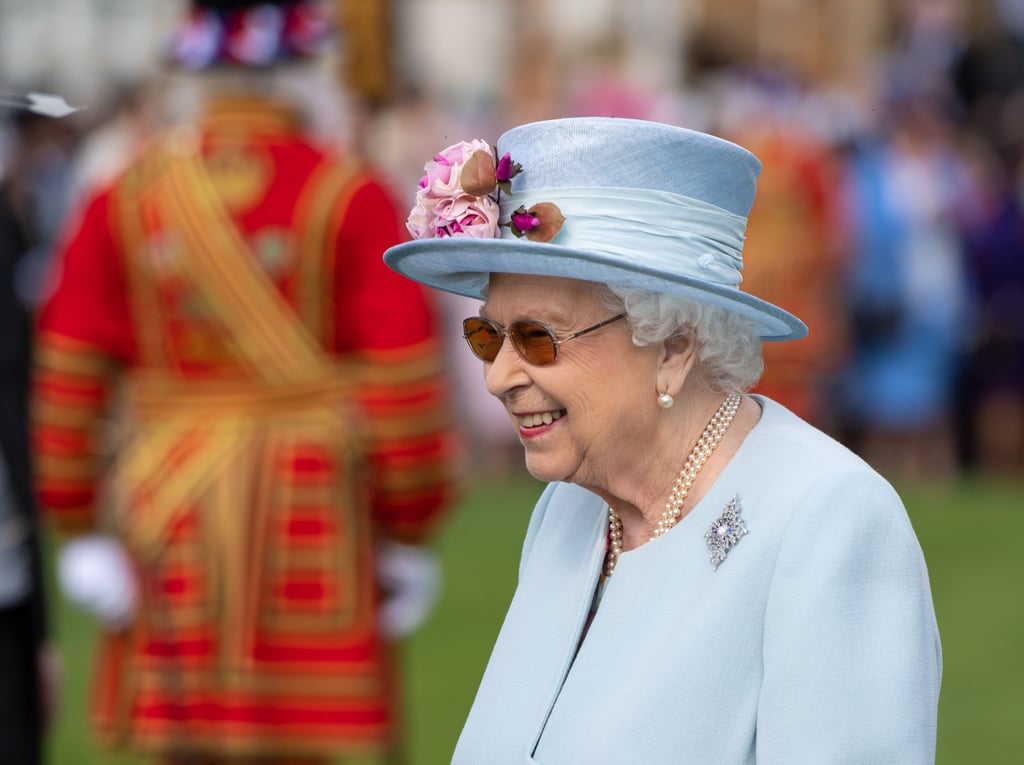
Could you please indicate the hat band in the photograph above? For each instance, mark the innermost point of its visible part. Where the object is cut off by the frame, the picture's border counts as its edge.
(665, 231)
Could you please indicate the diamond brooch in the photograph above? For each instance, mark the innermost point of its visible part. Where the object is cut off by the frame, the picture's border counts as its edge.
(727, 530)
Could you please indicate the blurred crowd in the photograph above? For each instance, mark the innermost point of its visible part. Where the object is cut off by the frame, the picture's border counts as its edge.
(890, 219)
(893, 224)
(894, 229)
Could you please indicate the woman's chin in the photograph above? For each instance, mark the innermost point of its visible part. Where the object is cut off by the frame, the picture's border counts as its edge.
(543, 468)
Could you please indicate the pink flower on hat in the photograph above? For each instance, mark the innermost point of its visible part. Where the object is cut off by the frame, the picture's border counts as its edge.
(464, 215)
(459, 192)
(443, 207)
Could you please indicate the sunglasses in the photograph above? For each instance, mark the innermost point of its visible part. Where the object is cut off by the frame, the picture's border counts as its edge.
(534, 341)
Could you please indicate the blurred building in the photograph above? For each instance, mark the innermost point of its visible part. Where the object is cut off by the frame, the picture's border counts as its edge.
(81, 47)
(464, 51)
(823, 40)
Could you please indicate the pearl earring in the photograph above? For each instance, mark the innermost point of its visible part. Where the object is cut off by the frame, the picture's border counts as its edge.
(665, 400)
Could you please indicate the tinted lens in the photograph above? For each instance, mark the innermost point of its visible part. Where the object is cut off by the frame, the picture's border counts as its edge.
(483, 337)
(534, 342)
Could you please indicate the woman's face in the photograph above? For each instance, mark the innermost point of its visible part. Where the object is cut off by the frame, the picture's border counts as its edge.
(595, 404)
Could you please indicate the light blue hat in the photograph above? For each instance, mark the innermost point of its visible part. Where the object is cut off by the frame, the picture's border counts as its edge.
(646, 205)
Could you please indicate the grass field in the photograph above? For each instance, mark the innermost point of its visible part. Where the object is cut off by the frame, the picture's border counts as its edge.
(971, 532)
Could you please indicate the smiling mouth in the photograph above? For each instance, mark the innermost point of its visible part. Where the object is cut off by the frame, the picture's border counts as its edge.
(540, 418)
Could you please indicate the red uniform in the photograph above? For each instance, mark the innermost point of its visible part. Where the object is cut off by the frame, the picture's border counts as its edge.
(790, 260)
(280, 407)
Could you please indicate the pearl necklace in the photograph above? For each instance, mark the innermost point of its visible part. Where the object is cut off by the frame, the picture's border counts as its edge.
(702, 451)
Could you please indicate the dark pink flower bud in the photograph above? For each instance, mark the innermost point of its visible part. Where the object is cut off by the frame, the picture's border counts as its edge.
(506, 169)
(523, 221)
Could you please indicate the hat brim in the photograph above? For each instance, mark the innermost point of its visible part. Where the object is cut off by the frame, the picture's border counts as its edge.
(440, 263)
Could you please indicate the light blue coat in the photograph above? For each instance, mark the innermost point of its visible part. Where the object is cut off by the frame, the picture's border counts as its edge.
(813, 643)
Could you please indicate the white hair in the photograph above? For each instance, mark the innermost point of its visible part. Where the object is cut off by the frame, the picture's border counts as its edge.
(728, 346)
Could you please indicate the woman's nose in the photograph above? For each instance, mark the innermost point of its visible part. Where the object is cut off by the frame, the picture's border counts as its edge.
(507, 371)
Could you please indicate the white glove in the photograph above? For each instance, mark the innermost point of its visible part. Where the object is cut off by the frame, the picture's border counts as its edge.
(95, 573)
(411, 579)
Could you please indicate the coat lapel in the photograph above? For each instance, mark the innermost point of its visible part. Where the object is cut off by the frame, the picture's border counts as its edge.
(541, 632)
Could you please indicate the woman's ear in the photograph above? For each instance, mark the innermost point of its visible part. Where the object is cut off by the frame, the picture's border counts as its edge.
(678, 356)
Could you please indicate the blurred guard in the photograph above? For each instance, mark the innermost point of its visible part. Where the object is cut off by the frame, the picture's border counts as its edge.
(283, 446)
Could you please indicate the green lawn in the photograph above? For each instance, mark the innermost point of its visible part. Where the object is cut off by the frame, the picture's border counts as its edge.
(972, 538)
(972, 534)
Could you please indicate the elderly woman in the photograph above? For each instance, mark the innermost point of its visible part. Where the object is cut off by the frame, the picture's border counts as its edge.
(706, 578)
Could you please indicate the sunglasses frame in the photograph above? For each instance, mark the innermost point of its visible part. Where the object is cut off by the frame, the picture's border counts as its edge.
(504, 332)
